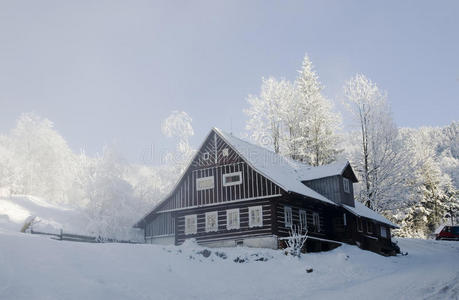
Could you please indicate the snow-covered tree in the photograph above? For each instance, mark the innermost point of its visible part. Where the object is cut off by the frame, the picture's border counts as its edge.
(383, 165)
(295, 120)
(178, 125)
(269, 114)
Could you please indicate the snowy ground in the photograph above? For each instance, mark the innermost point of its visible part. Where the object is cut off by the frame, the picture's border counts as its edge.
(36, 267)
(15, 209)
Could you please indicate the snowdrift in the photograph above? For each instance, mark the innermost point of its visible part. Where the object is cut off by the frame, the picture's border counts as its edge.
(35, 267)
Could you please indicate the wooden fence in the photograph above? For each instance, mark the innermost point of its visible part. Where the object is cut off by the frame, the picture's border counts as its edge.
(61, 236)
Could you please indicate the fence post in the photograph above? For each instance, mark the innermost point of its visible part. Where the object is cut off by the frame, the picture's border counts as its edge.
(60, 235)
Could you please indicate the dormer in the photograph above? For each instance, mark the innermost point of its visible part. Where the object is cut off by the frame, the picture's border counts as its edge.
(334, 181)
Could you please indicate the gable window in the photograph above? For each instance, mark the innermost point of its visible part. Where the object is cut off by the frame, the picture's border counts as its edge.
(191, 224)
(288, 216)
(205, 156)
(383, 232)
(303, 220)
(359, 225)
(211, 221)
(316, 221)
(232, 179)
(256, 216)
(225, 152)
(232, 219)
(204, 183)
(346, 185)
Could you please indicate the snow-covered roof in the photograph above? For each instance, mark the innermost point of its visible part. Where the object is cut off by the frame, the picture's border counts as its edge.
(335, 168)
(284, 172)
(363, 211)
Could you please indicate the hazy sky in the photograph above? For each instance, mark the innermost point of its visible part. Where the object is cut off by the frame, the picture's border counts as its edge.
(109, 71)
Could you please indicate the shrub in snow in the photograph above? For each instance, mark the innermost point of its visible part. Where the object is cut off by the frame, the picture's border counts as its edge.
(296, 241)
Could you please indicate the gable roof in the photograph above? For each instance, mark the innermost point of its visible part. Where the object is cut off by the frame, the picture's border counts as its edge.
(278, 169)
(361, 210)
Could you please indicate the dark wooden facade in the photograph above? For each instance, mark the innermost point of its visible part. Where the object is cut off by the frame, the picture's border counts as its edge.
(201, 190)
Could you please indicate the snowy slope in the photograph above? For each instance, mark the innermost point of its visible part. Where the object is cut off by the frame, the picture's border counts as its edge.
(34, 267)
(15, 209)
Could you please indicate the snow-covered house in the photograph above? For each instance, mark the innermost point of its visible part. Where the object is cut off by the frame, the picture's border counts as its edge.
(237, 193)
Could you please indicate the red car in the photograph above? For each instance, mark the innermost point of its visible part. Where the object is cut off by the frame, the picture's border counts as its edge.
(449, 233)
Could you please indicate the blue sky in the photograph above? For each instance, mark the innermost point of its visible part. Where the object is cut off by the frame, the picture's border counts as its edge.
(108, 72)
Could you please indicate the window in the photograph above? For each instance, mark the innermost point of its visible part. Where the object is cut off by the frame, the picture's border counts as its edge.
(211, 221)
(191, 224)
(369, 227)
(232, 178)
(316, 221)
(205, 156)
(256, 216)
(232, 219)
(383, 232)
(303, 220)
(288, 216)
(225, 152)
(346, 185)
(344, 219)
(204, 183)
(359, 225)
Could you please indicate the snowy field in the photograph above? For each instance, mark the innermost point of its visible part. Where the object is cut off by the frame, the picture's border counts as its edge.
(36, 267)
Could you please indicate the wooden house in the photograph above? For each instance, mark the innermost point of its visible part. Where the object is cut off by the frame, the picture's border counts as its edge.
(236, 193)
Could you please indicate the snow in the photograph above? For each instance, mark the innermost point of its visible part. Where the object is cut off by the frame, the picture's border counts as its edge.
(278, 169)
(362, 211)
(335, 168)
(36, 267)
(15, 209)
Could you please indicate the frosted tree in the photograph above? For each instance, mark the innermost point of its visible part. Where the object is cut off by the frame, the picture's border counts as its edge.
(317, 123)
(381, 161)
(178, 125)
(295, 120)
(112, 207)
(268, 114)
(44, 165)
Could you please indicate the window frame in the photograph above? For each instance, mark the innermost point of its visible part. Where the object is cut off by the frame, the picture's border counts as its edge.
(301, 213)
(346, 185)
(226, 175)
(208, 214)
(228, 213)
(288, 216)
(368, 227)
(256, 208)
(316, 221)
(187, 231)
(198, 188)
(359, 225)
(205, 156)
(225, 152)
(381, 230)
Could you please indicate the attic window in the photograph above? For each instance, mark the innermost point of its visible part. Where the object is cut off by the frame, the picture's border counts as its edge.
(346, 185)
(205, 156)
(225, 152)
(232, 178)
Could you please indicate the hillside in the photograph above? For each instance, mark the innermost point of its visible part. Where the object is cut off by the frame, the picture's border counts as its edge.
(35, 267)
